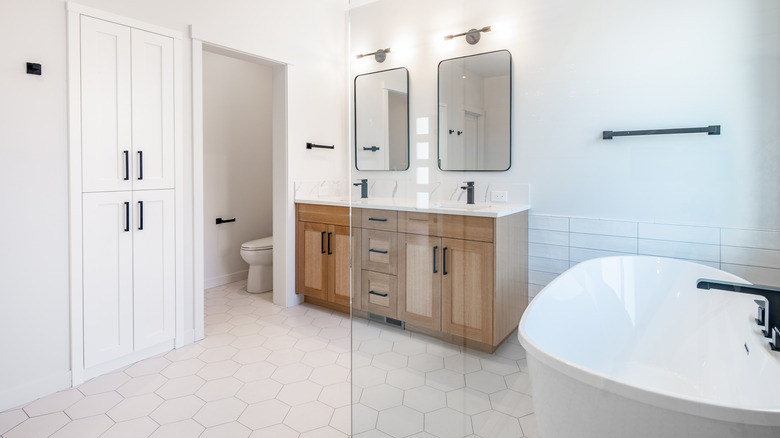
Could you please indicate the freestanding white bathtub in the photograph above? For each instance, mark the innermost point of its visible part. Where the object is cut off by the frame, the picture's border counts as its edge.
(628, 347)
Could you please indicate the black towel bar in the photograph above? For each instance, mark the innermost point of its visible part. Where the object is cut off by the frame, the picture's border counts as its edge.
(312, 145)
(710, 130)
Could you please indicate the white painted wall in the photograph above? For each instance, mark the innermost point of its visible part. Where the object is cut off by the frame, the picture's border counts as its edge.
(584, 67)
(238, 170)
(308, 35)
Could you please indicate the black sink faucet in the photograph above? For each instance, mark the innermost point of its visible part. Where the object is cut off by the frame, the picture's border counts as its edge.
(770, 319)
(469, 188)
(363, 188)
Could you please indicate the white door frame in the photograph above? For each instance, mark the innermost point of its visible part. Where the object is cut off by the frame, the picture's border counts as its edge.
(74, 13)
(280, 174)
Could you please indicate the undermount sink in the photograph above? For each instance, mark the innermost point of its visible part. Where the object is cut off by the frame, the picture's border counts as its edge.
(459, 205)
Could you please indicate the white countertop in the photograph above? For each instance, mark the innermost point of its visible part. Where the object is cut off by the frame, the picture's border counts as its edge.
(441, 207)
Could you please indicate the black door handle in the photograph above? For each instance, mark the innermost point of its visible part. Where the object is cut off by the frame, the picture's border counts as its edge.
(140, 164)
(329, 234)
(322, 242)
(444, 260)
(224, 221)
(127, 165)
(435, 248)
(141, 215)
(127, 216)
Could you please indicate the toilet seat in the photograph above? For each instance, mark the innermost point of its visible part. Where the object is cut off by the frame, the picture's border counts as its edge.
(259, 244)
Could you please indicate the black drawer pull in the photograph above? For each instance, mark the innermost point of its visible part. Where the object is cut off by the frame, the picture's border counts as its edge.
(377, 251)
(141, 214)
(127, 216)
(127, 165)
(322, 242)
(329, 234)
(435, 249)
(376, 293)
(140, 165)
(377, 219)
(444, 260)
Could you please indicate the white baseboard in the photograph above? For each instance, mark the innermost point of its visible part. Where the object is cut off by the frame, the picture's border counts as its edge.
(30, 391)
(225, 279)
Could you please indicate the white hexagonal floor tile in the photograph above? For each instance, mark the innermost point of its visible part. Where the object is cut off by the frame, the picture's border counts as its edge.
(183, 429)
(309, 416)
(425, 399)
(218, 354)
(363, 418)
(220, 412)
(528, 423)
(58, 401)
(255, 371)
(299, 393)
(445, 380)
(138, 428)
(93, 405)
(264, 414)
(319, 358)
(292, 373)
(219, 389)
(135, 407)
(400, 421)
(336, 395)
(178, 409)
(365, 377)
(329, 374)
(218, 370)
(485, 381)
(469, 401)
(512, 403)
(227, 430)
(463, 363)
(259, 390)
(186, 367)
(381, 397)
(496, 424)
(447, 423)
(426, 362)
(405, 378)
(180, 387)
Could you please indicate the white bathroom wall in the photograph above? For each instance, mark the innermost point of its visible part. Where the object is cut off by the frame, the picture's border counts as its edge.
(581, 68)
(237, 105)
(308, 35)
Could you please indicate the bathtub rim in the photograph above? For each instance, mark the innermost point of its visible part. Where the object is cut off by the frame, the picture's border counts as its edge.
(658, 398)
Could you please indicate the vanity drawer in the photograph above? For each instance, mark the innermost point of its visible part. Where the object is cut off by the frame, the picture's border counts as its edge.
(379, 251)
(323, 214)
(426, 224)
(468, 227)
(380, 293)
(386, 220)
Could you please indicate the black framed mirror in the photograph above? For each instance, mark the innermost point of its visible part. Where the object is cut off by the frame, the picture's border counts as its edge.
(475, 112)
(382, 120)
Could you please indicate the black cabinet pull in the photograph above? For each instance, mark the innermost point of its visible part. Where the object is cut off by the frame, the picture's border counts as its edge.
(140, 165)
(322, 242)
(127, 165)
(444, 260)
(141, 215)
(376, 293)
(435, 248)
(329, 234)
(377, 219)
(127, 216)
(377, 251)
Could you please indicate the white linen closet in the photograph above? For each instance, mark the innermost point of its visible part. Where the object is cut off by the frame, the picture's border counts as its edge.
(125, 163)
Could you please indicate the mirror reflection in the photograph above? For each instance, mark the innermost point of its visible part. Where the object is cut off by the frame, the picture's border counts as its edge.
(475, 112)
(382, 120)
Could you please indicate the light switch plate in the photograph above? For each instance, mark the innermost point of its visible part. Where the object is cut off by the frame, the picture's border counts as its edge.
(498, 196)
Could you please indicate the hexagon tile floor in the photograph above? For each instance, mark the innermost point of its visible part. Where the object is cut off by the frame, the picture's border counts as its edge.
(266, 371)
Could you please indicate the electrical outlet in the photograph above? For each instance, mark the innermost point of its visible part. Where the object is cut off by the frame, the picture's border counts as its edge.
(498, 196)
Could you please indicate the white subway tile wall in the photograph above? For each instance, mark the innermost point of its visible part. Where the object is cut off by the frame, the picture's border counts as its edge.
(556, 243)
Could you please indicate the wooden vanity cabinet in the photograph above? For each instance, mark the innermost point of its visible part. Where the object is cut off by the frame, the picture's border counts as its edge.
(323, 246)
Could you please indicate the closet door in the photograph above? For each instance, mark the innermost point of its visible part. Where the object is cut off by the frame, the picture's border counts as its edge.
(106, 143)
(154, 260)
(108, 276)
(152, 112)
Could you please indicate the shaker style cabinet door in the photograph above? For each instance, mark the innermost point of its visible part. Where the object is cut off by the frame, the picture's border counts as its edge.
(107, 276)
(419, 280)
(339, 244)
(467, 289)
(127, 111)
(154, 283)
(152, 112)
(106, 127)
(312, 260)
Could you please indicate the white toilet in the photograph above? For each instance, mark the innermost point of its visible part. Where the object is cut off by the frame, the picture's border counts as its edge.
(260, 256)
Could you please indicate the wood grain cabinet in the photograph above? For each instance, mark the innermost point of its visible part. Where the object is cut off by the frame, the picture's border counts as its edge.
(460, 278)
(323, 255)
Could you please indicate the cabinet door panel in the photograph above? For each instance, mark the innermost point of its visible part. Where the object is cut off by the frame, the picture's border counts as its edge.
(467, 289)
(419, 280)
(105, 106)
(153, 112)
(338, 260)
(312, 260)
(107, 276)
(154, 283)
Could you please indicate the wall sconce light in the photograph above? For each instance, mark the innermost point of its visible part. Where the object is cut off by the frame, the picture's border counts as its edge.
(380, 55)
(472, 36)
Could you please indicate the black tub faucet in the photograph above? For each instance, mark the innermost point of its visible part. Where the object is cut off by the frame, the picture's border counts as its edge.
(469, 188)
(363, 188)
(768, 315)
